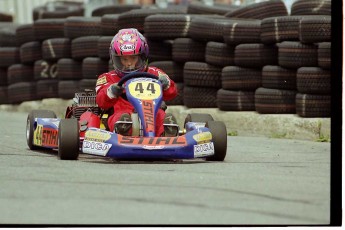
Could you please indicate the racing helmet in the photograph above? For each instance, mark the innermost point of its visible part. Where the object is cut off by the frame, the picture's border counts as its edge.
(129, 42)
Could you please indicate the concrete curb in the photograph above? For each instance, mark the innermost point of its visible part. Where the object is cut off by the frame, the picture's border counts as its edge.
(237, 123)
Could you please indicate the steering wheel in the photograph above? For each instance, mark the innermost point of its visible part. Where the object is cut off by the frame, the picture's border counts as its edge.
(136, 75)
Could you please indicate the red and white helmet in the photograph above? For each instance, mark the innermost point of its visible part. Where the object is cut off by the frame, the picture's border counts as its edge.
(129, 42)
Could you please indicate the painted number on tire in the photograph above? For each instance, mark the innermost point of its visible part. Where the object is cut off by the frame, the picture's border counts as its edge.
(48, 71)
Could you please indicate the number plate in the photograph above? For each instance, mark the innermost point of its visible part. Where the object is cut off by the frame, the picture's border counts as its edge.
(144, 90)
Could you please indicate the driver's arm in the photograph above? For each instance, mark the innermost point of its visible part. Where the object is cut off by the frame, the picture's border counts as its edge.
(103, 99)
(171, 91)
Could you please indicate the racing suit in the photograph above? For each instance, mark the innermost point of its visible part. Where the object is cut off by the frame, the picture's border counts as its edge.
(121, 105)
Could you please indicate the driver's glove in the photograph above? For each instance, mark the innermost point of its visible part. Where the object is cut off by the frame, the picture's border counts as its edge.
(114, 91)
(165, 81)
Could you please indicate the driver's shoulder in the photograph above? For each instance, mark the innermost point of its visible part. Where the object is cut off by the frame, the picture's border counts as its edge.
(154, 70)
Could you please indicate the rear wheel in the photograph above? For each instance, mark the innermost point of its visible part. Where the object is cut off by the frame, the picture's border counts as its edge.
(30, 121)
(68, 139)
(219, 138)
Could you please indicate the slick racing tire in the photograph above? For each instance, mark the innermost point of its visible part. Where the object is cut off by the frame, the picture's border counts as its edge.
(30, 124)
(220, 141)
(68, 139)
(198, 117)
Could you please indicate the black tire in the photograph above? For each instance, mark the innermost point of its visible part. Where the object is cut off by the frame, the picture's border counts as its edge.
(167, 26)
(25, 33)
(136, 18)
(82, 26)
(21, 91)
(313, 80)
(30, 52)
(3, 77)
(92, 67)
(279, 29)
(109, 24)
(241, 31)
(256, 55)
(86, 46)
(275, 101)
(208, 29)
(276, 77)
(9, 56)
(49, 28)
(219, 54)
(201, 74)
(239, 78)
(198, 117)
(3, 95)
(69, 69)
(296, 54)
(20, 73)
(173, 69)
(201, 8)
(47, 88)
(311, 7)
(160, 50)
(199, 97)
(260, 10)
(68, 139)
(219, 138)
(235, 100)
(313, 105)
(324, 55)
(55, 48)
(187, 49)
(30, 124)
(113, 9)
(103, 47)
(315, 29)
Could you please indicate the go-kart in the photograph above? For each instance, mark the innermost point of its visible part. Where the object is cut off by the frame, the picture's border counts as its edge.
(84, 128)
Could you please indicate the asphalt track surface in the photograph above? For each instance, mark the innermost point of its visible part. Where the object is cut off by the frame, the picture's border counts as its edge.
(262, 181)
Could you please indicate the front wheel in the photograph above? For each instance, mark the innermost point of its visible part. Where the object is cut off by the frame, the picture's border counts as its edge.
(30, 122)
(68, 139)
(219, 138)
(198, 117)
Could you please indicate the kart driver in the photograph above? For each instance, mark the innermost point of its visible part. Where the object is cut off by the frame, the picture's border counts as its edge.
(129, 53)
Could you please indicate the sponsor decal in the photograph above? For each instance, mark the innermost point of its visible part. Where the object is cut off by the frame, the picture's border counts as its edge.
(92, 135)
(101, 81)
(152, 141)
(96, 148)
(50, 137)
(127, 47)
(202, 137)
(45, 136)
(147, 107)
(202, 150)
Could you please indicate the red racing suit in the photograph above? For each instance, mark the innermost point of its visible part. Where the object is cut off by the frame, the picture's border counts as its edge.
(121, 105)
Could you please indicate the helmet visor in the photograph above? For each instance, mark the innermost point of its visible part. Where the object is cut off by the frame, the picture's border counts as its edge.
(129, 63)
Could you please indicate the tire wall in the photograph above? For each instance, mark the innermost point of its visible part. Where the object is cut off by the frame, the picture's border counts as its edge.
(252, 58)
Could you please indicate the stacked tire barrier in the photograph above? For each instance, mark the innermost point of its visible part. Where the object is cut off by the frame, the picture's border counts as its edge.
(250, 58)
